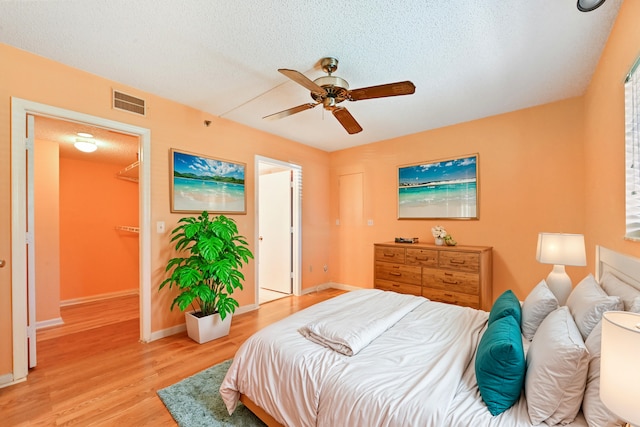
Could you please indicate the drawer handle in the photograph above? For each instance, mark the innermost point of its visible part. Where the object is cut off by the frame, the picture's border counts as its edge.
(395, 285)
(389, 254)
(450, 282)
(448, 295)
(393, 273)
(423, 258)
(456, 261)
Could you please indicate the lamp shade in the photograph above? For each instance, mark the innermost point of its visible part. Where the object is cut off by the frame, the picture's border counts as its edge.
(561, 249)
(619, 372)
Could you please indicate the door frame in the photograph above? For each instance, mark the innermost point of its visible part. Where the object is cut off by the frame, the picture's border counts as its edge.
(19, 110)
(296, 203)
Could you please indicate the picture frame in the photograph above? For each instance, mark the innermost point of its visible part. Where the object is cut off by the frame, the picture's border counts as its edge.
(203, 183)
(439, 189)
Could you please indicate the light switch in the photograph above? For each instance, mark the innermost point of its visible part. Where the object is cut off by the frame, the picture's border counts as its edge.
(160, 227)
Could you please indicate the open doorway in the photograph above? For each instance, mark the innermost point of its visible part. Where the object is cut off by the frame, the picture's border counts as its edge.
(86, 214)
(21, 110)
(278, 225)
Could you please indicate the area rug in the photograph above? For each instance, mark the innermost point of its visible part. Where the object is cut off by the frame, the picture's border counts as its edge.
(196, 401)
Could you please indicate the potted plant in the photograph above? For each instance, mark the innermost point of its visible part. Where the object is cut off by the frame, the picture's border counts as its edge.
(208, 274)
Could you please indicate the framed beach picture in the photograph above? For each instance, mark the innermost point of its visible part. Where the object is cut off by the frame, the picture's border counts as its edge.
(442, 189)
(201, 183)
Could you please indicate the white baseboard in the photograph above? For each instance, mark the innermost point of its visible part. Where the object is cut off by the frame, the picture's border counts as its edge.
(6, 380)
(49, 323)
(328, 285)
(99, 297)
(168, 332)
(247, 308)
(183, 327)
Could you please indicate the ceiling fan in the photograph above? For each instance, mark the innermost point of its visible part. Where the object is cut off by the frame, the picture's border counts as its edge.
(332, 90)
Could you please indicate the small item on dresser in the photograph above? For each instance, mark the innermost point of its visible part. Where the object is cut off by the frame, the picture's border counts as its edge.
(406, 240)
(449, 241)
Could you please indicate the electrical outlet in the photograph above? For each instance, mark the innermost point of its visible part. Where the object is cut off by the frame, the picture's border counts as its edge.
(325, 268)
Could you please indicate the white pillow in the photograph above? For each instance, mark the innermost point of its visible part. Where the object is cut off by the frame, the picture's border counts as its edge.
(557, 364)
(616, 287)
(538, 304)
(595, 412)
(587, 302)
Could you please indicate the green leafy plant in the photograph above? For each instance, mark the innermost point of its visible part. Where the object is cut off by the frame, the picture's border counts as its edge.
(210, 274)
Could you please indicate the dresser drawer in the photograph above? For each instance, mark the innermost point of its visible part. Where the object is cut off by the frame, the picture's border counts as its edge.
(399, 273)
(451, 297)
(455, 281)
(461, 261)
(389, 254)
(456, 275)
(403, 288)
(423, 257)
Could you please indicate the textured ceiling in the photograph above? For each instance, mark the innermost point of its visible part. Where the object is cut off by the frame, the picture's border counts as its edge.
(468, 58)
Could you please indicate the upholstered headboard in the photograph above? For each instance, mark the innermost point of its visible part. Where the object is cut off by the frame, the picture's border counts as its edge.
(624, 267)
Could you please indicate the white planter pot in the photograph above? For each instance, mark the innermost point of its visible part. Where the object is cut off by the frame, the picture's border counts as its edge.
(203, 329)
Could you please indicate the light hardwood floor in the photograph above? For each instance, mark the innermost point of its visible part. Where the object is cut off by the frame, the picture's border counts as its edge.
(93, 370)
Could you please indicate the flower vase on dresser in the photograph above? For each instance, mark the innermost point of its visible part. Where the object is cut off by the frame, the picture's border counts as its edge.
(439, 233)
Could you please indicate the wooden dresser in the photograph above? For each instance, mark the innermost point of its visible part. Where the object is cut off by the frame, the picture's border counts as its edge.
(459, 275)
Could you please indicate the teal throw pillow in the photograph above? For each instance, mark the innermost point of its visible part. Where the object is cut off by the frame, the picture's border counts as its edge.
(501, 365)
(507, 304)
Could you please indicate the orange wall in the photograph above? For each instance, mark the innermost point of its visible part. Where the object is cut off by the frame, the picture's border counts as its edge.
(172, 125)
(556, 167)
(47, 230)
(528, 164)
(95, 258)
(604, 136)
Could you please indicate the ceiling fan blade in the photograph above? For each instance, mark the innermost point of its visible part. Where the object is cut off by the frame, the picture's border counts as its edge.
(289, 111)
(346, 120)
(381, 91)
(303, 80)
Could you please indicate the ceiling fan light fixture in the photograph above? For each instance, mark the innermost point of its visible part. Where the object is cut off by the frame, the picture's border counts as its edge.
(589, 5)
(85, 146)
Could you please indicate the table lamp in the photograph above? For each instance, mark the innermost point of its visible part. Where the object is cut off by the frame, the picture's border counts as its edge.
(560, 249)
(619, 373)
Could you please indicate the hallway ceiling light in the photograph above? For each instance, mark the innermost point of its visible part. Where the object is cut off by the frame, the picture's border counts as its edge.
(85, 145)
(84, 135)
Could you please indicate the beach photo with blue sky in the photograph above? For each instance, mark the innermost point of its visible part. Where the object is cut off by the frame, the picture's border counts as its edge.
(439, 189)
(204, 183)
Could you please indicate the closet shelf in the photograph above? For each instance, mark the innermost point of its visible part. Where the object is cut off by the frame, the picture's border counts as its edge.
(128, 228)
(130, 173)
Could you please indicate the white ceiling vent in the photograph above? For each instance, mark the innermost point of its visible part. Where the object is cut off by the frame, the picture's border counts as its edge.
(124, 102)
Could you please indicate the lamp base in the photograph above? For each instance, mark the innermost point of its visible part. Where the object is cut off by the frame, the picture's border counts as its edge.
(559, 283)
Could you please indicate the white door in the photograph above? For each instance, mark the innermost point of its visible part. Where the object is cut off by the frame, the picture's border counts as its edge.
(275, 228)
(31, 246)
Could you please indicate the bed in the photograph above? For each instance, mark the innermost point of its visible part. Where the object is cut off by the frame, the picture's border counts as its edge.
(376, 358)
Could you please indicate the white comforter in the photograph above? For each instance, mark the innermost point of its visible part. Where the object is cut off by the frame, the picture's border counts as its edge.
(353, 325)
(419, 372)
